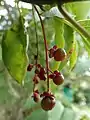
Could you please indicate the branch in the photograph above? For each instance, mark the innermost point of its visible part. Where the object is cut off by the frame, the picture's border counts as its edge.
(46, 48)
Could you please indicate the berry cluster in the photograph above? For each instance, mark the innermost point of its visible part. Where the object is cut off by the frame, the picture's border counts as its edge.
(59, 54)
(47, 98)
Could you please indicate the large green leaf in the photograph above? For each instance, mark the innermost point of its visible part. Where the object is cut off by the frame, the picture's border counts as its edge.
(69, 42)
(14, 51)
(78, 8)
(59, 32)
(69, 37)
(85, 23)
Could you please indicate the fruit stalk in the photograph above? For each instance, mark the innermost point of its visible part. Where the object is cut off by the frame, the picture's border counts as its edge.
(46, 48)
(36, 36)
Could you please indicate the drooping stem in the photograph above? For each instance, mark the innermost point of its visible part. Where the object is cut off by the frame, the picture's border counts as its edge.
(36, 59)
(46, 48)
(50, 71)
(73, 22)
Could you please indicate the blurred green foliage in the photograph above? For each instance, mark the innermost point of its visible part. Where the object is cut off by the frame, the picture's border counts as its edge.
(73, 97)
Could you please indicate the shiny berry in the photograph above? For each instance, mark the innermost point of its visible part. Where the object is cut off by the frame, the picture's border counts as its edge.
(42, 70)
(59, 54)
(47, 103)
(42, 77)
(58, 79)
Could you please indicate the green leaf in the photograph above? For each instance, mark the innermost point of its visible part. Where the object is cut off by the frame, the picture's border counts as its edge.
(87, 45)
(78, 8)
(59, 32)
(59, 37)
(73, 57)
(69, 42)
(86, 25)
(69, 37)
(63, 63)
(14, 51)
(25, 11)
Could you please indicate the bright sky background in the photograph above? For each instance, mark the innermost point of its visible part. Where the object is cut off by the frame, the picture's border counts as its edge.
(12, 3)
(3, 12)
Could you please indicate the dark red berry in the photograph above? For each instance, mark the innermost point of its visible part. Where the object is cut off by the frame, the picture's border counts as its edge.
(30, 66)
(58, 79)
(42, 71)
(36, 97)
(51, 76)
(47, 103)
(42, 77)
(52, 50)
(59, 54)
(41, 74)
